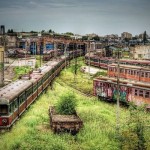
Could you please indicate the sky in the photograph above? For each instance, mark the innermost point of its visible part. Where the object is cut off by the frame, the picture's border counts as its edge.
(78, 16)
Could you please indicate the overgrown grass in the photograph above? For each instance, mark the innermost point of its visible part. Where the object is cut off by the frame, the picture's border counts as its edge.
(20, 70)
(32, 131)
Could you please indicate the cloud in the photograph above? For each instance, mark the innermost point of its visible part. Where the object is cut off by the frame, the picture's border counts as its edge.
(76, 15)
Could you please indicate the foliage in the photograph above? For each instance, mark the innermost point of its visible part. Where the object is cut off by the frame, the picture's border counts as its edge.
(67, 104)
(69, 33)
(100, 73)
(32, 130)
(96, 38)
(84, 37)
(20, 70)
(133, 136)
(51, 31)
(38, 61)
(10, 31)
(33, 32)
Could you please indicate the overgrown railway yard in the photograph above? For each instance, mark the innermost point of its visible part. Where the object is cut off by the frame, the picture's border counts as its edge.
(32, 130)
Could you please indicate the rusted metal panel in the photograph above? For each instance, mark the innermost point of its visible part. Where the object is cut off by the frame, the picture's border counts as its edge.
(64, 123)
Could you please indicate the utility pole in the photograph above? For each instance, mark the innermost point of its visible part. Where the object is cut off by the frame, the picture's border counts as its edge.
(75, 59)
(118, 95)
(89, 59)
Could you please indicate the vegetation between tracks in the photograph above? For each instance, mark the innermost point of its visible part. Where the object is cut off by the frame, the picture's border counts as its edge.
(33, 132)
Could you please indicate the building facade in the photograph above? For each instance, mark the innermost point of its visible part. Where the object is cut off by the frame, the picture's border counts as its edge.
(126, 35)
(141, 52)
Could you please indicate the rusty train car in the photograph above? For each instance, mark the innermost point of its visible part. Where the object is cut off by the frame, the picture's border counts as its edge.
(47, 55)
(105, 61)
(130, 72)
(106, 89)
(16, 97)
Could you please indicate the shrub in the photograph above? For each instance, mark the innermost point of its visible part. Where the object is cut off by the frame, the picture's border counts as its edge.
(66, 104)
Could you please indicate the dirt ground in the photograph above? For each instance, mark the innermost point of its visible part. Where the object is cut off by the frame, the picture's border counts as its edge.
(9, 72)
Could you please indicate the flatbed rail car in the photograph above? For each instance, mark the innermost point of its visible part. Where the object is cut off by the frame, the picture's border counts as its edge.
(130, 72)
(105, 61)
(16, 97)
(106, 89)
(64, 123)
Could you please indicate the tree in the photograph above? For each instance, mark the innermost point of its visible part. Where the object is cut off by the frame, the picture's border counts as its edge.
(69, 33)
(96, 38)
(42, 31)
(50, 31)
(8, 31)
(33, 31)
(84, 37)
(11, 31)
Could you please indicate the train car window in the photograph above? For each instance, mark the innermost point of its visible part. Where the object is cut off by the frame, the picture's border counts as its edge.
(15, 103)
(129, 71)
(46, 76)
(11, 108)
(147, 94)
(22, 98)
(136, 92)
(34, 87)
(142, 74)
(39, 83)
(29, 92)
(3, 109)
(141, 93)
(121, 70)
(146, 74)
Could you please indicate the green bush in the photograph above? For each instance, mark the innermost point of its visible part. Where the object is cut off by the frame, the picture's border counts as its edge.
(66, 104)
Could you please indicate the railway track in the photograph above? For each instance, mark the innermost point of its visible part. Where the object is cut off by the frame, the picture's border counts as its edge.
(75, 88)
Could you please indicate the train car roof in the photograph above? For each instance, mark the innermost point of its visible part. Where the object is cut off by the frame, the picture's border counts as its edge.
(129, 66)
(94, 56)
(124, 81)
(136, 61)
(12, 90)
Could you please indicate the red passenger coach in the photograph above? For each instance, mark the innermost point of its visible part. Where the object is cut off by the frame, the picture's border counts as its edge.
(138, 92)
(16, 97)
(103, 62)
(130, 72)
(12, 96)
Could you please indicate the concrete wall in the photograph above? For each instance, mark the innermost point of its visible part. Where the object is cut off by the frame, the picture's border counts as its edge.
(141, 52)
